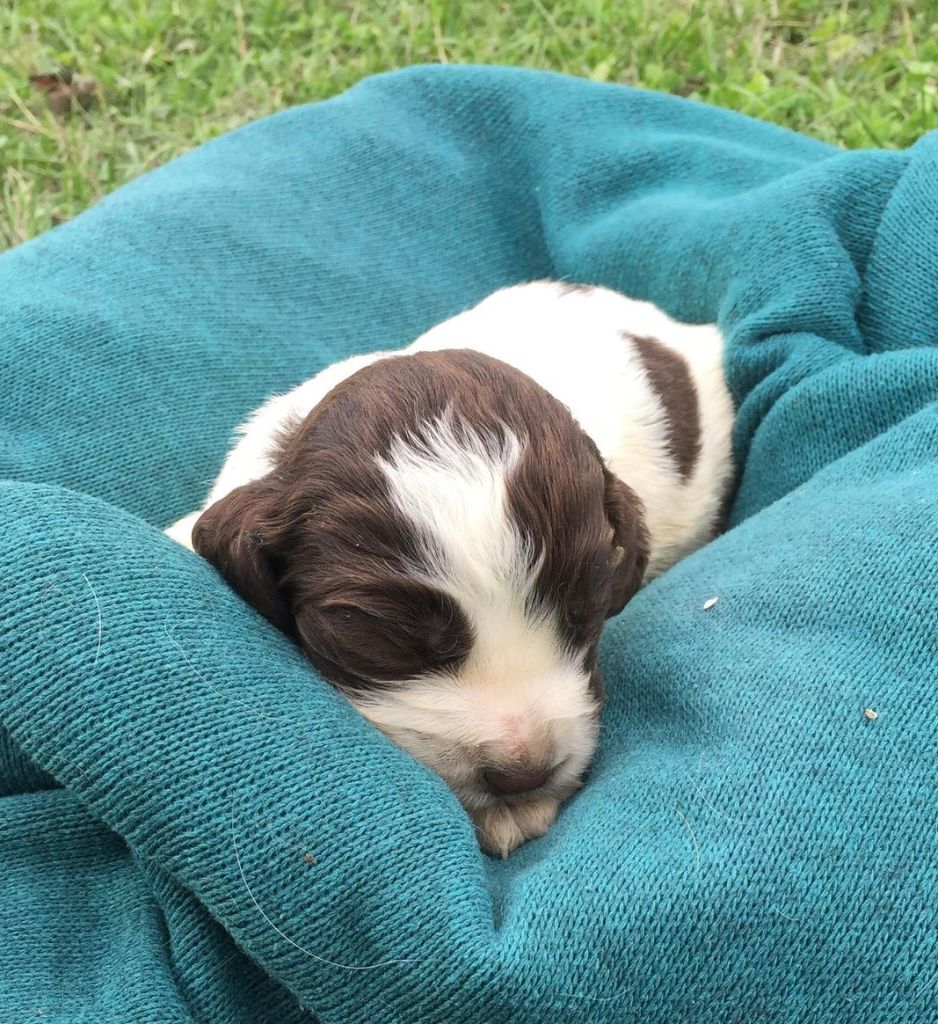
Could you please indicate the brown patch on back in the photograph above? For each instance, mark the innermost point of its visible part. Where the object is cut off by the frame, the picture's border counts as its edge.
(670, 376)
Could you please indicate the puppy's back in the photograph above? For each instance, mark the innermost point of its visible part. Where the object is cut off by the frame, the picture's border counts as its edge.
(649, 390)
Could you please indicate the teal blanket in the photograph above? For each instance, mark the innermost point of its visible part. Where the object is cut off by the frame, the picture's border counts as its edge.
(194, 827)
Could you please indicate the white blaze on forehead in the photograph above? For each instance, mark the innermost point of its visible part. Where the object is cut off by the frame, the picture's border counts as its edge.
(451, 485)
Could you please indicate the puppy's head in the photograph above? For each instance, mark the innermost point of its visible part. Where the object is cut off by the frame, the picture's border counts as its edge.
(445, 542)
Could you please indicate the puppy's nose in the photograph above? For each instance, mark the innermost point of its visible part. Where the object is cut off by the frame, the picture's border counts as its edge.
(515, 781)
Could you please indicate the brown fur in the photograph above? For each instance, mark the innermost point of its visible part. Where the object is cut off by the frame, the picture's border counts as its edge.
(670, 377)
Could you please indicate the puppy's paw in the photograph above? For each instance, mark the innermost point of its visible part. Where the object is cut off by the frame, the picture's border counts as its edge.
(504, 828)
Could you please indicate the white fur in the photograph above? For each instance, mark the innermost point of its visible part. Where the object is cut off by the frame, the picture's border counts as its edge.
(249, 459)
(453, 490)
(520, 695)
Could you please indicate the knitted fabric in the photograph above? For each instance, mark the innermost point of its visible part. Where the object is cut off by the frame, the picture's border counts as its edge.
(195, 827)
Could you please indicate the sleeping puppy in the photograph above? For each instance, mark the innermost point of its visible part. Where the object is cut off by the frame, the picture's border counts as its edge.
(444, 530)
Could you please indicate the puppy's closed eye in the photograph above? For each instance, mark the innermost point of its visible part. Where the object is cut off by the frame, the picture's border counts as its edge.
(582, 604)
(394, 631)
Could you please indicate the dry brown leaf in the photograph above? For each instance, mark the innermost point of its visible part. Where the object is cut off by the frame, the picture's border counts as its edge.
(65, 91)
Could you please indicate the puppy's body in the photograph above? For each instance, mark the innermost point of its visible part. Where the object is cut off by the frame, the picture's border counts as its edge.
(462, 540)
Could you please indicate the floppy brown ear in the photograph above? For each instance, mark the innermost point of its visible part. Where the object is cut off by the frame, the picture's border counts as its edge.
(626, 514)
(239, 535)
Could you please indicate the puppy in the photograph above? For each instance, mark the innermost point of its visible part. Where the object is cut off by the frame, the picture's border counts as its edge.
(444, 530)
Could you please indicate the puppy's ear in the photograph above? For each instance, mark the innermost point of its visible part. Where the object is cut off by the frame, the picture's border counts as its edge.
(629, 559)
(240, 535)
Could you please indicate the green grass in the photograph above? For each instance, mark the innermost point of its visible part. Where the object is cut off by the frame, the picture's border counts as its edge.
(174, 73)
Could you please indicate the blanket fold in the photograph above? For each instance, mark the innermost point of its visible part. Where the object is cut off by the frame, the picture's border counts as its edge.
(193, 826)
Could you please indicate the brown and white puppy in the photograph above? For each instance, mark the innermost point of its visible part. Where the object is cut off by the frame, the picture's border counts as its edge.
(444, 530)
